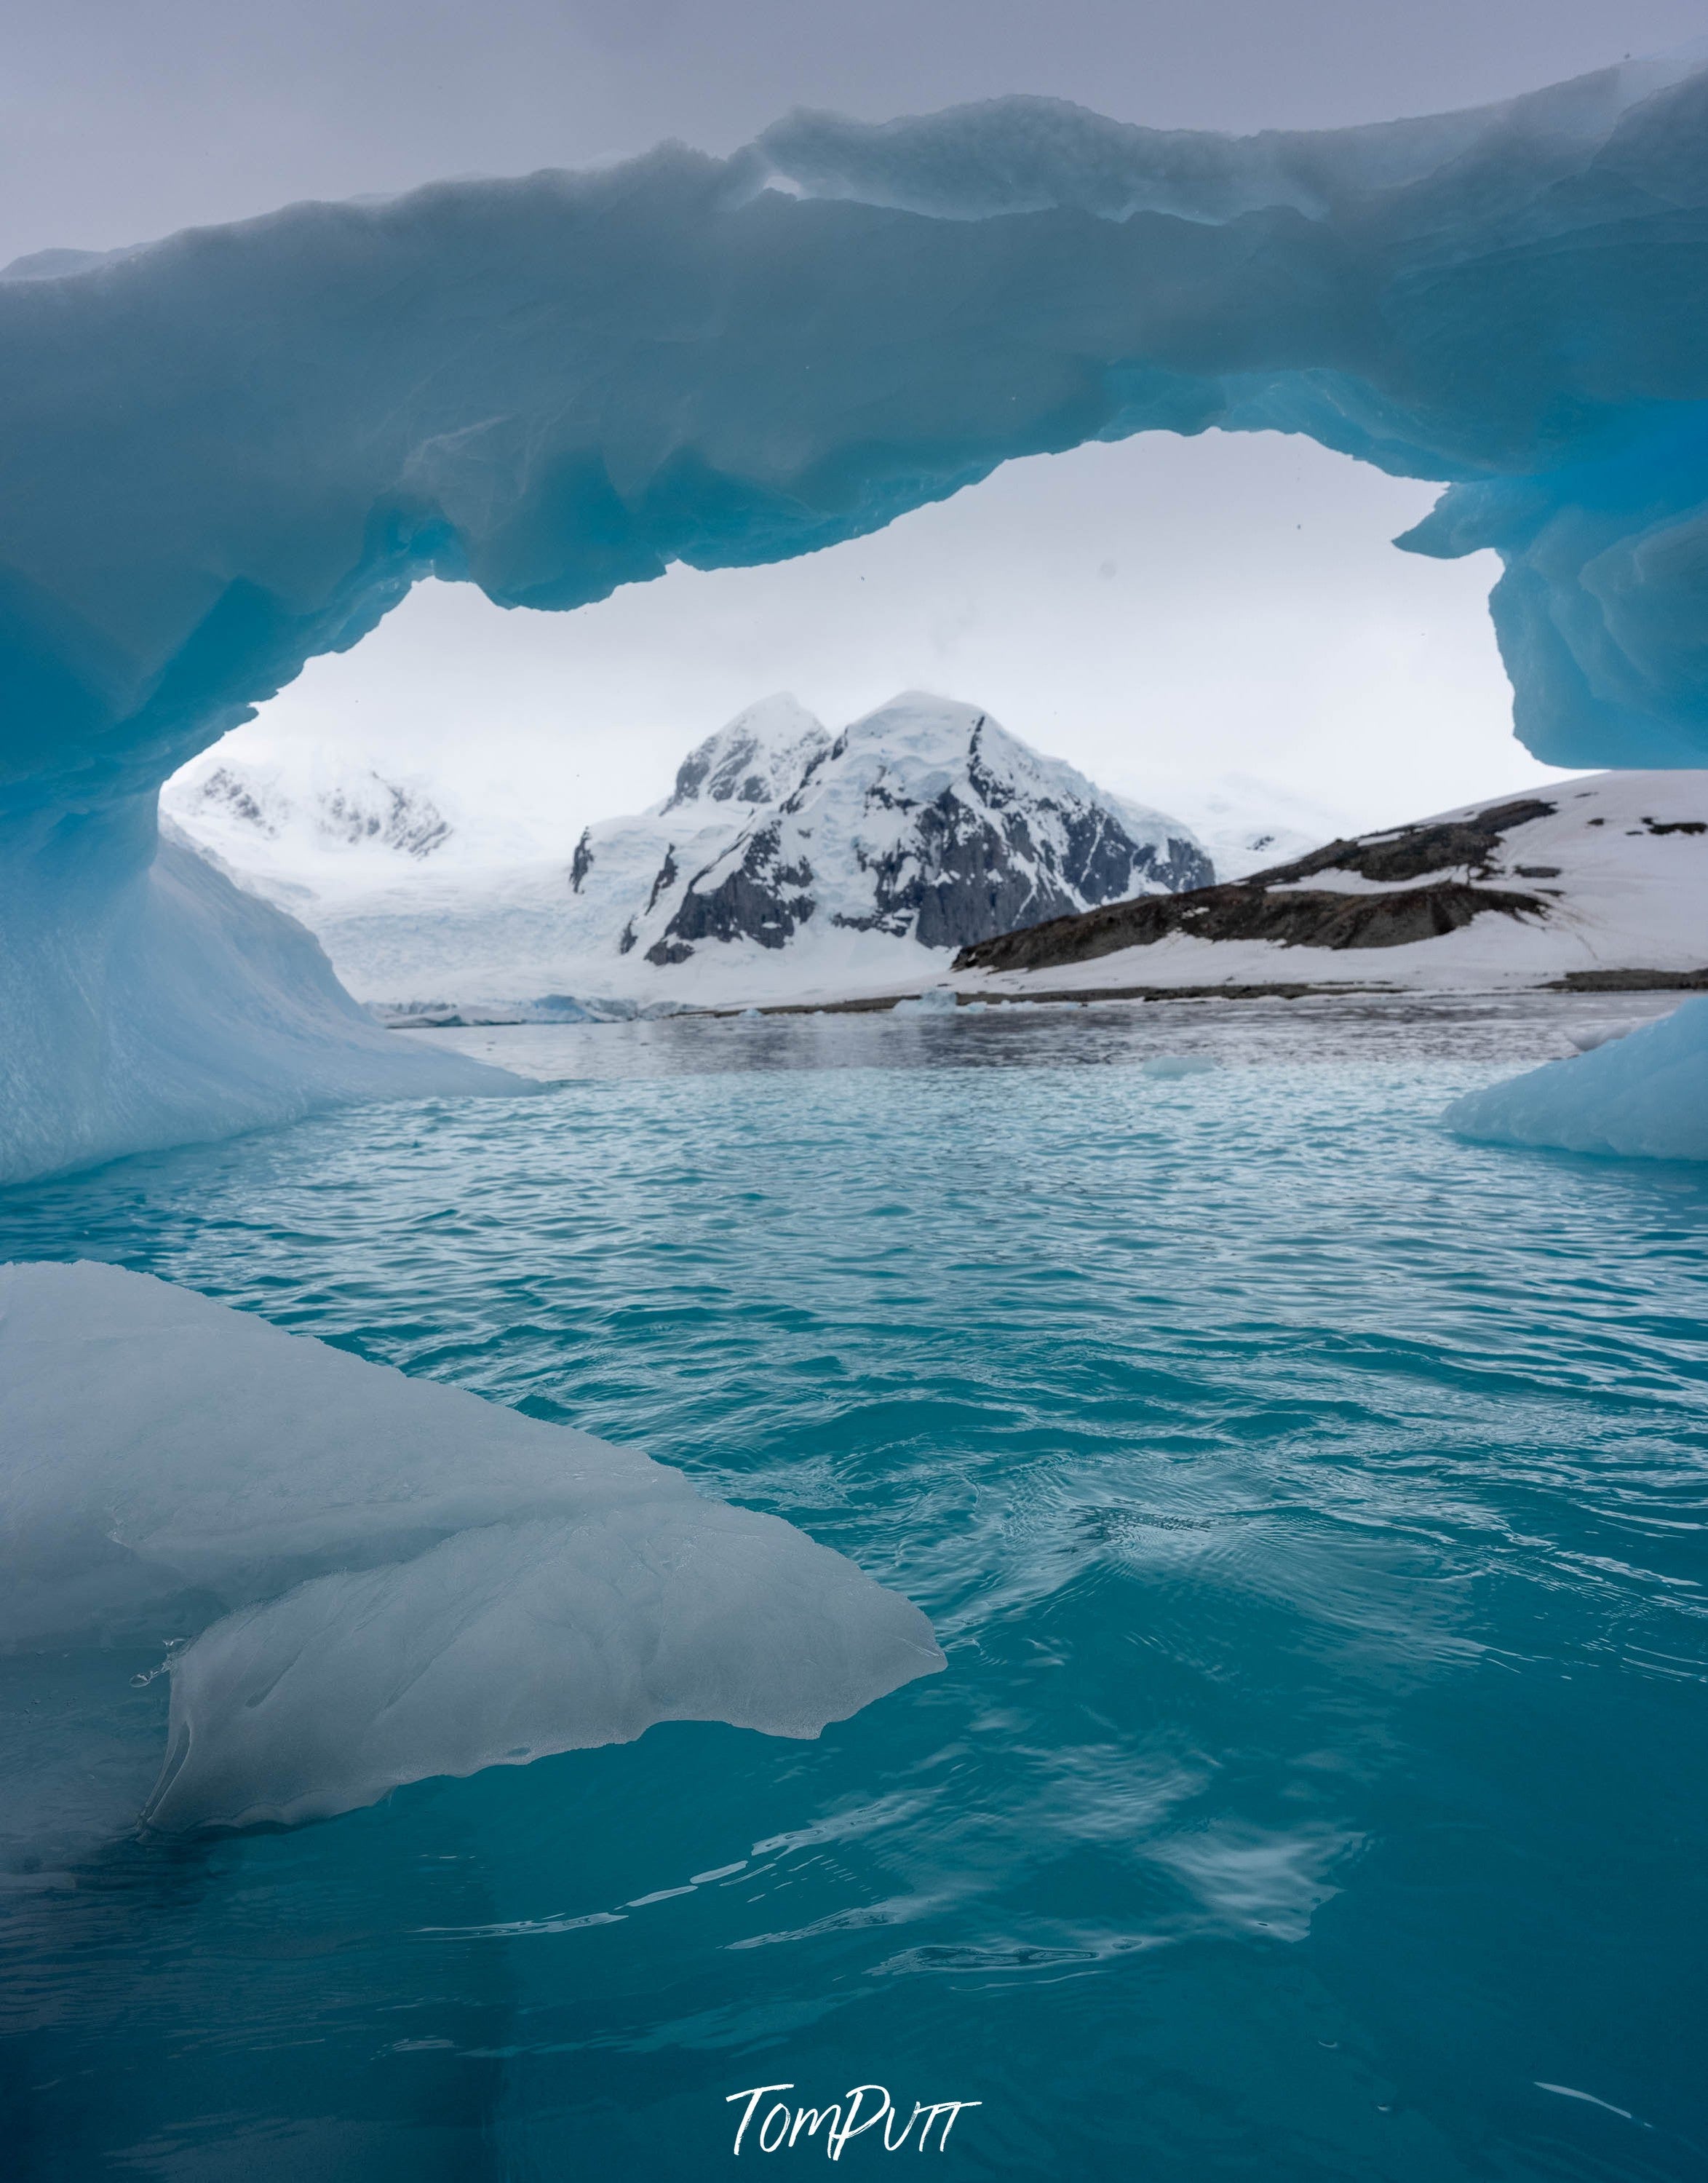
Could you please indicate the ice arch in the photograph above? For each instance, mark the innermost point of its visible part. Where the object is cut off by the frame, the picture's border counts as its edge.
(232, 450)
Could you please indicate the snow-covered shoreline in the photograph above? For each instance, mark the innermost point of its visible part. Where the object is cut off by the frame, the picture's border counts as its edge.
(1616, 863)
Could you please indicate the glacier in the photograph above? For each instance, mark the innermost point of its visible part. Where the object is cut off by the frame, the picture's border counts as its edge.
(371, 1579)
(232, 450)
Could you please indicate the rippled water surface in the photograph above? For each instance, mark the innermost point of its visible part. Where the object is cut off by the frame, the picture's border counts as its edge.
(1312, 1508)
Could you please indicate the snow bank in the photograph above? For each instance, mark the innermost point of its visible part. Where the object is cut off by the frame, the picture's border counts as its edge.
(1644, 1094)
(383, 1579)
(228, 451)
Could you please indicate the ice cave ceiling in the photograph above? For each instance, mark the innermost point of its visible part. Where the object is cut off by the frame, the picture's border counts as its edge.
(227, 451)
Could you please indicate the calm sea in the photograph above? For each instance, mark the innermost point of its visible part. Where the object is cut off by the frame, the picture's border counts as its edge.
(1311, 1506)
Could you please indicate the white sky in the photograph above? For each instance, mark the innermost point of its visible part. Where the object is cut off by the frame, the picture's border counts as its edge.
(1253, 618)
(1162, 613)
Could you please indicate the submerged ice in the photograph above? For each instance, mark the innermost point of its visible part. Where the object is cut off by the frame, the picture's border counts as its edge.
(234, 449)
(380, 1578)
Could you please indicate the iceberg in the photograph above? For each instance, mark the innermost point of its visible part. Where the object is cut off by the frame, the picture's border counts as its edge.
(1642, 1093)
(232, 450)
(381, 1579)
(149, 1003)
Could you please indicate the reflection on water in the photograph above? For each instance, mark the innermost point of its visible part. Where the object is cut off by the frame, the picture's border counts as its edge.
(1311, 1506)
(1511, 1032)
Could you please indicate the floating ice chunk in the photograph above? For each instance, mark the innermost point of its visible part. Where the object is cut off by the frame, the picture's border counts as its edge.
(1179, 1064)
(512, 1640)
(385, 1579)
(1644, 1095)
(1586, 1037)
(934, 1000)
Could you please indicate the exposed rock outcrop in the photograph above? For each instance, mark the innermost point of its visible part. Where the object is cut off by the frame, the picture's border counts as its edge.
(1293, 917)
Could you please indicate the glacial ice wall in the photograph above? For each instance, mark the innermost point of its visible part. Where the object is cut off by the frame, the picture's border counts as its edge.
(227, 451)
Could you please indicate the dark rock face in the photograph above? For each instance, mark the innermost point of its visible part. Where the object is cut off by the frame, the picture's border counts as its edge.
(222, 787)
(1271, 905)
(726, 768)
(763, 898)
(1633, 981)
(405, 821)
(965, 874)
(666, 878)
(582, 862)
(1410, 852)
(691, 775)
(954, 878)
(1298, 918)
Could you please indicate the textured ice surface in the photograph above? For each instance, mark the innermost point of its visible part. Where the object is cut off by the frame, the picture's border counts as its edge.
(383, 1579)
(232, 450)
(1643, 1093)
(145, 1001)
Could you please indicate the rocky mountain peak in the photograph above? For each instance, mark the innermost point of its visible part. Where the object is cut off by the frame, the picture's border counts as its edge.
(926, 820)
(757, 759)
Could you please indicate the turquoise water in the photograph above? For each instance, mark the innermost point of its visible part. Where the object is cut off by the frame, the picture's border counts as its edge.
(1311, 1506)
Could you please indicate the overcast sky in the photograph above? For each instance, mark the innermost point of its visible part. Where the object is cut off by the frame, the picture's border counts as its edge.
(1161, 612)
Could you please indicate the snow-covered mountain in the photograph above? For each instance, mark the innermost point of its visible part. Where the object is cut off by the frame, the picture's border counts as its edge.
(626, 873)
(259, 817)
(782, 864)
(925, 822)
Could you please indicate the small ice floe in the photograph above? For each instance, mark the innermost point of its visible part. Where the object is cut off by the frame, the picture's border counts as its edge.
(934, 1000)
(1179, 1064)
(1638, 1096)
(1586, 1036)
